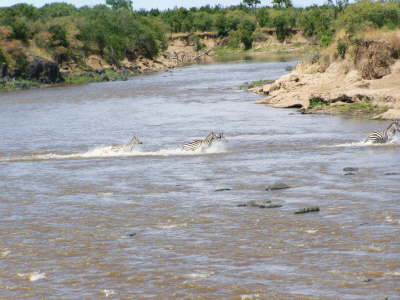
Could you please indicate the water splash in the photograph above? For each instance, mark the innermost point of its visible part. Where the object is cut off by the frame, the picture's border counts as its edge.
(34, 276)
(4, 253)
(110, 152)
(363, 143)
(108, 292)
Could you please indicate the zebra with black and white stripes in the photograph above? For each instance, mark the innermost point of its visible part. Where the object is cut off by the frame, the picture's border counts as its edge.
(127, 147)
(203, 144)
(384, 136)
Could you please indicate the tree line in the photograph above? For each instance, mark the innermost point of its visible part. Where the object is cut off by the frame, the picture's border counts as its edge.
(115, 30)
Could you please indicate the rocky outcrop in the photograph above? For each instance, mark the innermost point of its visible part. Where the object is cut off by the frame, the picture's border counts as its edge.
(37, 69)
(374, 58)
(3, 70)
(43, 71)
(372, 77)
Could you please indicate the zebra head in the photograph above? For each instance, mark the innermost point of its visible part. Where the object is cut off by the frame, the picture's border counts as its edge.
(213, 137)
(393, 128)
(135, 141)
(397, 125)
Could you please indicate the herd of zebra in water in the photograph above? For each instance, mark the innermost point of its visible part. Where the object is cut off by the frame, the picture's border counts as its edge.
(375, 137)
(195, 145)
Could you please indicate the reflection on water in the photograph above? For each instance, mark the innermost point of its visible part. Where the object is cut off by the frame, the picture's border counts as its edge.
(81, 220)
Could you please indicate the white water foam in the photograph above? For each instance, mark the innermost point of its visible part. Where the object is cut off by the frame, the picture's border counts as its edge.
(198, 275)
(363, 144)
(108, 292)
(109, 152)
(4, 253)
(34, 276)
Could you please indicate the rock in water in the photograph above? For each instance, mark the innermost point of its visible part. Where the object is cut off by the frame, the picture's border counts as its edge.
(350, 169)
(277, 186)
(307, 210)
(260, 204)
(222, 190)
(392, 174)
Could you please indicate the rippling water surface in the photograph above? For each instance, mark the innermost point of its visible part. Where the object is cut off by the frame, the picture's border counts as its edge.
(80, 220)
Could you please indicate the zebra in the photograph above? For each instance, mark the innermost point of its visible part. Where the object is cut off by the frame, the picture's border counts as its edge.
(384, 136)
(127, 147)
(203, 144)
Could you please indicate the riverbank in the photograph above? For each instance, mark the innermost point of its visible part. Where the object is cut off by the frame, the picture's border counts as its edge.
(182, 49)
(362, 83)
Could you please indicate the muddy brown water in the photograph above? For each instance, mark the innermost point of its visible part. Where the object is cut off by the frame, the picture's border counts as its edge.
(82, 221)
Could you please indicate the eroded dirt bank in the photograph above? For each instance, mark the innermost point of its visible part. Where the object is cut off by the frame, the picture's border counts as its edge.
(182, 49)
(364, 81)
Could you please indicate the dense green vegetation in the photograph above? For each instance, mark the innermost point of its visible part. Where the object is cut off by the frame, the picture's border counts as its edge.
(67, 34)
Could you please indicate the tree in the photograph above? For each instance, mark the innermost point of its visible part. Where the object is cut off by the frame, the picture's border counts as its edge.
(55, 10)
(115, 4)
(282, 27)
(262, 16)
(246, 30)
(251, 3)
(282, 3)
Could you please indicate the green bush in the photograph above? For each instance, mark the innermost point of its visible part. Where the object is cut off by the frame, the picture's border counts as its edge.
(262, 16)
(376, 14)
(341, 49)
(56, 10)
(220, 24)
(196, 41)
(317, 102)
(326, 39)
(21, 31)
(59, 35)
(233, 40)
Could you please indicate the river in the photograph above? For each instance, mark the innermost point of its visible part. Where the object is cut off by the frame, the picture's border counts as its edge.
(80, 220)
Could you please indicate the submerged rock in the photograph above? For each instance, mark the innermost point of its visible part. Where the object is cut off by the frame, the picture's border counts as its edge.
(307, 210)
(277, 186)
(222, 190)
(260, 204)
(351, 169)
(392, 173)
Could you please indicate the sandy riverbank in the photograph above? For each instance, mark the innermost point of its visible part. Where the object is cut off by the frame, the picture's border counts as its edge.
(365, 83)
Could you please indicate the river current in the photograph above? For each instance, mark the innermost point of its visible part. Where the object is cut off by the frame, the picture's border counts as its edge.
(81, 220)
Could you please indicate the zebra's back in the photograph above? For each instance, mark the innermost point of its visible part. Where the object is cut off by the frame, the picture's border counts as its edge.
(193, 145)
(378, 137)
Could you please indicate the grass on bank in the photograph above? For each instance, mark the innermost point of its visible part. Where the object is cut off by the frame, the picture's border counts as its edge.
(364, 109)
(70, 79)
(252, 84)
(317, 103)
(108, 75)
(18, 84)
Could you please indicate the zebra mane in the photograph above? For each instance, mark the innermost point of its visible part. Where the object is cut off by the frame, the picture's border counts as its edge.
(210, 135)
